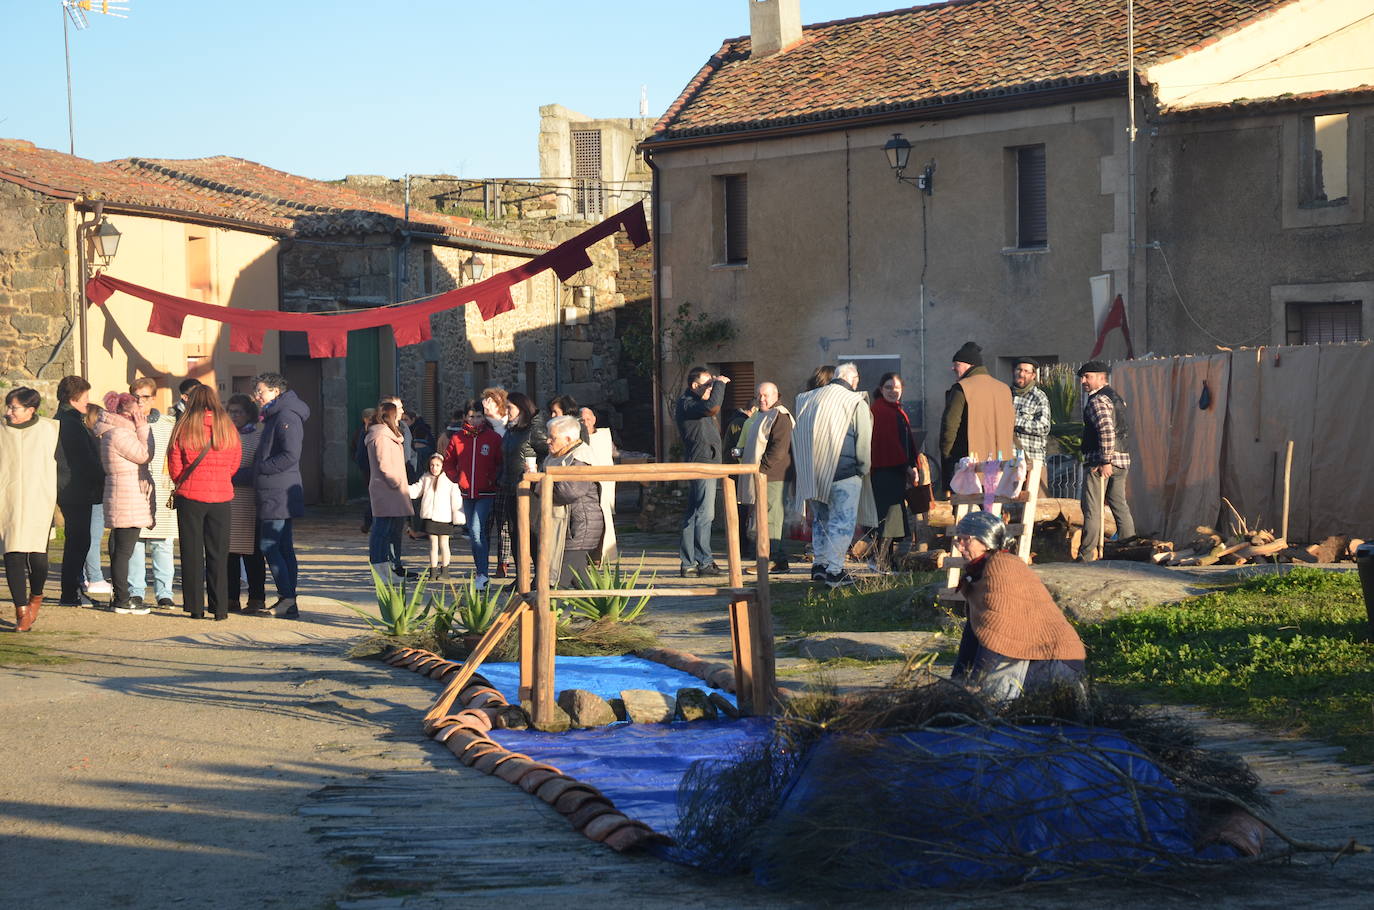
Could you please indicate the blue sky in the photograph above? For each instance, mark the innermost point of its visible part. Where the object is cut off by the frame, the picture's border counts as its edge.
(325, 89)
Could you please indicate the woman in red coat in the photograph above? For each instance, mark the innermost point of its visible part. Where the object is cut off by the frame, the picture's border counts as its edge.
(203, 492)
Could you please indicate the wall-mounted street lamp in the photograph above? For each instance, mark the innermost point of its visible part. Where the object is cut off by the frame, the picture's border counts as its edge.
(105, 240)
(898, 152)
(473, 267)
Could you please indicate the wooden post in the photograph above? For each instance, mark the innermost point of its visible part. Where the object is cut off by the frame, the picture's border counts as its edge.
(741, 614)
(541, 674)
(1101, 543)
(1023, 544)
(765, 665)
(522, 584)
(1287, 480)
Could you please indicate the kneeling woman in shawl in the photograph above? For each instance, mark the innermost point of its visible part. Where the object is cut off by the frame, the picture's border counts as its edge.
(579, 521)
(1016, 638)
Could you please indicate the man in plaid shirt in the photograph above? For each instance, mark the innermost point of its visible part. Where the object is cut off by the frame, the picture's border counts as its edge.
(1032, 411)
(1106, 428)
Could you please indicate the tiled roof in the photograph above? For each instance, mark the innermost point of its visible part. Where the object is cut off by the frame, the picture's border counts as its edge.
(1360, 94)
(922, 58)
(224, 187)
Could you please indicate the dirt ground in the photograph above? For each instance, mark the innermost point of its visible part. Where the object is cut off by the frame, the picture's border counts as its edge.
(252, 763)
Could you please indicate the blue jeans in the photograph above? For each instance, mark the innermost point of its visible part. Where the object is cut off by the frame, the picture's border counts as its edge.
(832, 525)
(696, 524)
(384, 540)
(477, 511)
(93, 572)
(163, 568)
(274, 538)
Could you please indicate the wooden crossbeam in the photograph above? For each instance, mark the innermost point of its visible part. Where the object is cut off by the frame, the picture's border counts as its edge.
(497, 631)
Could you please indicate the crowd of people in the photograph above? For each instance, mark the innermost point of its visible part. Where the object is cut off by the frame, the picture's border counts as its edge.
(223, 483)
(845, 464)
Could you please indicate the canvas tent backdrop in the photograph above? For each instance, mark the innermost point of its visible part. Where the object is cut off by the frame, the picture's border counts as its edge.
(1184, 458)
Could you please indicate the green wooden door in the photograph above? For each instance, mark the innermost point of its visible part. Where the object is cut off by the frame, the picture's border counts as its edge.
(364, 388)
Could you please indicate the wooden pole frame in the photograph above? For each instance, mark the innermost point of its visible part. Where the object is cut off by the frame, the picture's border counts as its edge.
(751, 622)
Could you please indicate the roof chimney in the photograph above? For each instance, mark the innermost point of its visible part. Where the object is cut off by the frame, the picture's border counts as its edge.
(773, 25)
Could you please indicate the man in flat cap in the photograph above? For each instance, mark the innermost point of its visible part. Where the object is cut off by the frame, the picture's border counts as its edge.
(1106, 427)
(979, 416)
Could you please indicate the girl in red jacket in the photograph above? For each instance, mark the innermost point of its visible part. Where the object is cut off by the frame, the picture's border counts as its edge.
(202, 493)
(473, 461)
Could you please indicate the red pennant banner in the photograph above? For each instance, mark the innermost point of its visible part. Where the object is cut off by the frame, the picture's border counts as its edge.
(328, 332)
(1115, 319)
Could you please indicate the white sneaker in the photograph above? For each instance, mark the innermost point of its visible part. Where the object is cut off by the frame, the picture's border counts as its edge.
(125, 609)
(99, 587)
(481, 582)
(139, 610)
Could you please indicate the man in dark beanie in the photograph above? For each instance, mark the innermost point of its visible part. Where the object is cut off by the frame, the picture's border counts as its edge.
(979, 416)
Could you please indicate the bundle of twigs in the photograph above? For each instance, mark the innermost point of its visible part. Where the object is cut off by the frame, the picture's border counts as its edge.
(923, 784)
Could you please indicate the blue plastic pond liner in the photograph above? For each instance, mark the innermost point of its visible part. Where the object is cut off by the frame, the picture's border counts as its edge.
(639, 766)
(604, 676)
(972, 796)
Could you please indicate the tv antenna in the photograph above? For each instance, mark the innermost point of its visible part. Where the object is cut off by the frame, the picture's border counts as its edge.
(74, 12)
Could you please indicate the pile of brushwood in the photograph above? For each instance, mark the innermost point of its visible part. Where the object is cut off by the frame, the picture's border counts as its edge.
(923, 784)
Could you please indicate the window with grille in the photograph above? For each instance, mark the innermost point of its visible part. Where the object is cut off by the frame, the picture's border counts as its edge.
(1324, 323)
(587, 169)
(1031, 211)
(429, 394)
(734, 219)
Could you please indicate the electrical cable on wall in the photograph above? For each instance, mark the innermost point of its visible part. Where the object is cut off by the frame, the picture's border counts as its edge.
(1156, 245)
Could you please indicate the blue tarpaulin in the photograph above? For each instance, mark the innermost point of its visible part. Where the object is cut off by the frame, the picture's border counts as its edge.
(604, 676)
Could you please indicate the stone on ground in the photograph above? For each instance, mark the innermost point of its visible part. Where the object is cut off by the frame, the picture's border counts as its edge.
(559, 722)
(586, 709)
(692, 704)
(645, 707)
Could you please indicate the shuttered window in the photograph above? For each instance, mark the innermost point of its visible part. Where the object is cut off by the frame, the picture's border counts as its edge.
(587, 170)
(1031, 229)
(1324, 323)
(740, 392)
(429, 394)
(736, 212)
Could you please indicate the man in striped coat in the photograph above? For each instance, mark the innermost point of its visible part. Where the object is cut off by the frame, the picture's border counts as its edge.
(831, 449)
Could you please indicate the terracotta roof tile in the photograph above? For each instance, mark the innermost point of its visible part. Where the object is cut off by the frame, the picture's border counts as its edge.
(928, 56)
(224, 187)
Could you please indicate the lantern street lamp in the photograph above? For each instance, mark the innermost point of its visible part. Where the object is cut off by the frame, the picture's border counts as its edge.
(898, 152)
(473, 267)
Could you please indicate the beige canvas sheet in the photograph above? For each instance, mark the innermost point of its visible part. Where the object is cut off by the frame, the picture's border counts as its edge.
(1175, 485)
(1342, 481)
(1271, 403)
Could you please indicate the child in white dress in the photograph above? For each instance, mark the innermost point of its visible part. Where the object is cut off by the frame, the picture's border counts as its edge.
(441, 513)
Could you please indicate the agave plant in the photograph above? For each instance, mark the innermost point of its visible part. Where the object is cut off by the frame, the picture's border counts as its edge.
(611, 609)
(475, 609)
(1066, 420)
(401, 612)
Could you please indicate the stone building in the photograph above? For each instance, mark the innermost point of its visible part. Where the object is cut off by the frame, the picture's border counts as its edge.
(1024, 206)
(236, 233)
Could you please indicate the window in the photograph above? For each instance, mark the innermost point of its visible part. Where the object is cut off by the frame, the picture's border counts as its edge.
(733, 219)
(587, 170)
(740, 392)
(429, 393)
(532, 380)
(427, 270)
(198, 266)
(1324, 323)
(1324, 147)
(481, 376)
(1031, 217)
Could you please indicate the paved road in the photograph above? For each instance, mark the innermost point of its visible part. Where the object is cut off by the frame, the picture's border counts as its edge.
(253, 763)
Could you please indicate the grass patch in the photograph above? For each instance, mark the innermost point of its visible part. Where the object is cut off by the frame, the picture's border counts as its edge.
(887, 603)
(1286, 652)
(27, 651)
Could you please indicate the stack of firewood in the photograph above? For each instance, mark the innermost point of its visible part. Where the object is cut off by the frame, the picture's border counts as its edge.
(1208, 547)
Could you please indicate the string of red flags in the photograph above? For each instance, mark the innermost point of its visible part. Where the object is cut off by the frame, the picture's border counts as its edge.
(328, 332)
(1115, 319)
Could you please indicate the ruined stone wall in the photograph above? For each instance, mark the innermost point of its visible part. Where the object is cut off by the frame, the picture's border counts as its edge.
(35, 292)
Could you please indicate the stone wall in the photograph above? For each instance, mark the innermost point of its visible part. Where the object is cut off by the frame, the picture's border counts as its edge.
(35, 294)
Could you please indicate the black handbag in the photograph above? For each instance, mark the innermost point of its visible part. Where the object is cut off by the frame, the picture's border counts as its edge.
(176, 485)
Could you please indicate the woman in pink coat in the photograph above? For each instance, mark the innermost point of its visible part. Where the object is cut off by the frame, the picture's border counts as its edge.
(388, 488)
(125, 450)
